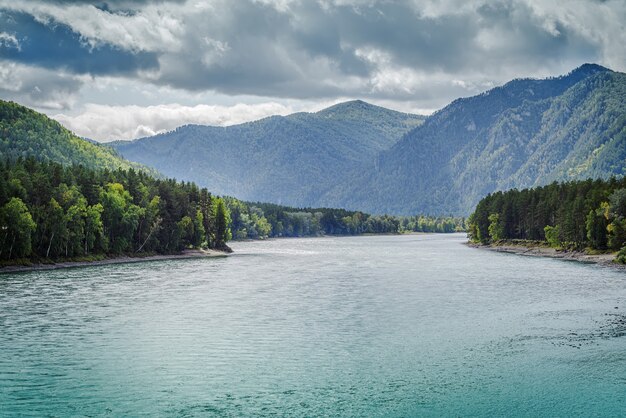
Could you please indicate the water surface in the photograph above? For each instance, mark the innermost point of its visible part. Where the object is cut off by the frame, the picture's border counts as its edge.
(360, 326)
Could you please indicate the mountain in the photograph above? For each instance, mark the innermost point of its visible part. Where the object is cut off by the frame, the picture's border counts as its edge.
(525, 133)
(27, 133)
(288, 160)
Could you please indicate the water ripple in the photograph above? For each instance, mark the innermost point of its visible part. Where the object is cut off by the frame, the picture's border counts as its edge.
(363, 326)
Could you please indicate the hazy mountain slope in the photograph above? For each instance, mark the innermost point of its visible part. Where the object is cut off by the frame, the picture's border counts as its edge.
(27, 133)
(525, 133)
(289, 160)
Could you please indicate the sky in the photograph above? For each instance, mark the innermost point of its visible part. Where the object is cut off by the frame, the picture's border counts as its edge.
(125, 69)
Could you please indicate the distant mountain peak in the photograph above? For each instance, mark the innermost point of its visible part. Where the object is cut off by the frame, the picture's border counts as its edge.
(356, 108)
(589, 69)
(349, 105)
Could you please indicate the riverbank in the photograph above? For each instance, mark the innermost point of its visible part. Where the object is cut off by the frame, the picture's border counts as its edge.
(186, 254)
(538, 250)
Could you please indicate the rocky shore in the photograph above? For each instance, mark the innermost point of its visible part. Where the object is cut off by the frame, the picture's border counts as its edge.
(543, 251)
(197, 253)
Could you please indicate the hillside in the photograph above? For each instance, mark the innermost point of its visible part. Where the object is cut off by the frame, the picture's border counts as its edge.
(526, 133)
(288, 160)
(27, 133)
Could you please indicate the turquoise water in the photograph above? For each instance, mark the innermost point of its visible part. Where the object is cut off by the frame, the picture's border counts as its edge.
(363, 326)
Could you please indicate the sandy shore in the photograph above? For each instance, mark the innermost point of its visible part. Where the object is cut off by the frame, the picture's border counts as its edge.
(540, 251)
(115, 260)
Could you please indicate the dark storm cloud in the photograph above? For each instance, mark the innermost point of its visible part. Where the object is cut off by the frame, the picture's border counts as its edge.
(296, 51)
(315, 49)
(56, 45)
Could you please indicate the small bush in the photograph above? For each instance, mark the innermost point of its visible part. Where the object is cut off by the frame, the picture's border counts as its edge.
(621, 256)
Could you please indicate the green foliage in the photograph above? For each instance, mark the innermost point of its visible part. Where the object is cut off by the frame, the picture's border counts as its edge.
(222, 233)
(526, 133)
(596, 225)
(496, 230)
(439, 224)
(262, 220)
(26, 133)
(293, 159)
(616, 214)
(82, 213)
(186, 231)
(621, 256)
(577, 215)
(16, 227)
(553, 236)
(199, 231)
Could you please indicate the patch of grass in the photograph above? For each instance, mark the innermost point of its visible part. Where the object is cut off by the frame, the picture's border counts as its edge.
(620, 258)
(16, 262)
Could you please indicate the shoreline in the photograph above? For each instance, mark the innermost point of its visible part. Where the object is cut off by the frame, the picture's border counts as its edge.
(125, 259)
(605, 259)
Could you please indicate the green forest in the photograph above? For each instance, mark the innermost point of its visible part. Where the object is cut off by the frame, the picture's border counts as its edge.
(263, 220)
(275, 159)
(576, 215)
(27, 133)
(63, 197)
(49, 211)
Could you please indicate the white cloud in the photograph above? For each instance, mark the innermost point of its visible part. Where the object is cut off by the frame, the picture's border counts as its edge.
(150, 28)
(602, 22)
(284, 55)
(39, 87)
(8, 40)
(107, 123)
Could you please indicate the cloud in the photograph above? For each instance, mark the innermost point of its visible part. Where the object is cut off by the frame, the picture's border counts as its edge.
(37, 87)
(153, 27)
(57, 46)
(9, 41)
(423, 52)
(107, 123)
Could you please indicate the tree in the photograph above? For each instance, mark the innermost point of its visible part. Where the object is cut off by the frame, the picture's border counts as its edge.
(199, 233)
(75, 221)
(185, 231)
(55, 228)
(617, 215)
(17, 226)
(222, 225)
(94, 228)
(120, 217)
(596, 225)
(263, 227)
(496, 229)
(553, 236)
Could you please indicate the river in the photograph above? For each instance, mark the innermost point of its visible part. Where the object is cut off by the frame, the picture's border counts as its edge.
(413, 325)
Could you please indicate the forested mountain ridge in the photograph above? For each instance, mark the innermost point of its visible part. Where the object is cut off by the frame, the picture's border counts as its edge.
(27, 133)
(64, 198)
(290, 160)
(525, 133)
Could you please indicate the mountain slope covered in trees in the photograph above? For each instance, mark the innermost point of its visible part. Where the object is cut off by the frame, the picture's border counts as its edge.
(289, 160)
(62, 197)
(526, 133)
(27, 133)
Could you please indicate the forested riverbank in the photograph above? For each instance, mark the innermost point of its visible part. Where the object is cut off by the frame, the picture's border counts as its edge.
(586, 217)
(50, 213)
